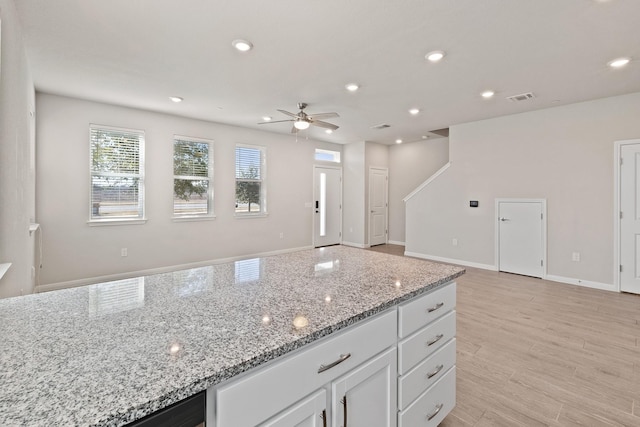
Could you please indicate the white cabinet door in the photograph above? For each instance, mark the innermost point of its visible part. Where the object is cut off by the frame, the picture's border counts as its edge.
(366, 396)
(309, 412)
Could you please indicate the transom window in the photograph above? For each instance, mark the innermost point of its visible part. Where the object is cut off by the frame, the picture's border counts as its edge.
(250, 180)
(327, 155)
(117, 173)
(192, 177)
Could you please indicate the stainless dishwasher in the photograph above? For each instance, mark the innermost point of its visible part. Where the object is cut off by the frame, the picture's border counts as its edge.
(189, 412)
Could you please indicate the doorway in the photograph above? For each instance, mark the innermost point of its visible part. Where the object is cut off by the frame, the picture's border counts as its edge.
(628, 215)
(521, 236)
(378, 206)
(327, 206)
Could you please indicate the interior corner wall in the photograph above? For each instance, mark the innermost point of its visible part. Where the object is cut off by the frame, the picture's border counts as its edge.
(376, 156)
(73, 251)
(411, 164)
(353, 193)
(562, 154)
(17, 144)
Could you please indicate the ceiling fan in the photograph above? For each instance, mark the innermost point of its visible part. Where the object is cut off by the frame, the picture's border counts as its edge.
(302, 120)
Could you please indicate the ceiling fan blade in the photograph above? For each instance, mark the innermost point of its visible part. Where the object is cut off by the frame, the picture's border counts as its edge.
(325, 125)
(322, 116)
(276, 121)
(288, 113)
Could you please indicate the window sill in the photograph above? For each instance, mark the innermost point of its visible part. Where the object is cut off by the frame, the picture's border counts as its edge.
(255, 215)
(104, 222)
(193, 218)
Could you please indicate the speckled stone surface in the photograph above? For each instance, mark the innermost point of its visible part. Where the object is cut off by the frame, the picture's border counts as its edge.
(111, 353)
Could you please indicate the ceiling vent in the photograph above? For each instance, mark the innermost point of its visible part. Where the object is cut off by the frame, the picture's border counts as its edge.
(381, 126)
(522, 97)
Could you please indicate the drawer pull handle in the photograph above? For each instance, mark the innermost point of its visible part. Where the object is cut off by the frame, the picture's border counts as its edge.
(324, 418)
(435, 340)
(435, 307)
(435, 412)
(435, 371)
(342, 358)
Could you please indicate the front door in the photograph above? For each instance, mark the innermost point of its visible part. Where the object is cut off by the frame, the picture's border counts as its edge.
(630, 219)
(377, 206)
(521, 237)
(327, 206)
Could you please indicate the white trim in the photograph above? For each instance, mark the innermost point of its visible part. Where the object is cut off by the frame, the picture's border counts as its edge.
(193, 218)
(159, 270)
(103, 222)
(396, 242)
(583, 283)
(4, 268)
(544, 231)
(617, 148)
(427, 182)
(451, 261)
(356, 245)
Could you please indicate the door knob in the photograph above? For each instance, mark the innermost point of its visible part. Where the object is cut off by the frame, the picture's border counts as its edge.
(503, 219)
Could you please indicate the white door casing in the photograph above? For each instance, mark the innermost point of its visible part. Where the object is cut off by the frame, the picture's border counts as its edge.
(629, 217)
(378, 206)
(521, 236)
(327, 206)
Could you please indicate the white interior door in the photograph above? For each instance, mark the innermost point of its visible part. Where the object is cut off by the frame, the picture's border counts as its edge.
(630, 219)
(327, 206)
(378, 179)
(521, 237)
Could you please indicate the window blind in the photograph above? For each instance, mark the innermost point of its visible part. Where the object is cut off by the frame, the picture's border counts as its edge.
(192, 169)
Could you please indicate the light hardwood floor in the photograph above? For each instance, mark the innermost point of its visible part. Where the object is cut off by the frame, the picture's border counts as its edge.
(538, 353)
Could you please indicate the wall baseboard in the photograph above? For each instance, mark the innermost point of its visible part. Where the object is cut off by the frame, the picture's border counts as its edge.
(580, 282)
(451, 261)
(396, 242)
(356, 245)
(120, 276)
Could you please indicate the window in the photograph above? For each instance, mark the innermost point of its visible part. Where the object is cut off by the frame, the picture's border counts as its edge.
(250, 180)
(327, 155)
(192, 177)
(117, 174)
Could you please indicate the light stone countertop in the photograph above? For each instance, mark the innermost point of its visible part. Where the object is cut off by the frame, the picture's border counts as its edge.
(111, 353)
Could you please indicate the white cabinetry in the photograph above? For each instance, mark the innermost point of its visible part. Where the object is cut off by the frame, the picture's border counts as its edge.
(395, 369)
(366, 396)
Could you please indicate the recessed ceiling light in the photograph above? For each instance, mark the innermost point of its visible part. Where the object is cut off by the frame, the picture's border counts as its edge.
(414, 111)
(352, 87)
(435, 56)
(176, 99)
(398, 141)
(329, 131)
(425, 136)
(242, 45)
(488, 94)
(617, 63)
(266, 118)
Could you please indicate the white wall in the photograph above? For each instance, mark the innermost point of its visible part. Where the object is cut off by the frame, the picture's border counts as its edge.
(411, 164)
(563, 154)
(74, 251)
(353, 194)
(17, 173)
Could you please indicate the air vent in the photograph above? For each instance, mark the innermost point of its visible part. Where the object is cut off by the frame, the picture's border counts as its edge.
(521, 97)
(381, 126)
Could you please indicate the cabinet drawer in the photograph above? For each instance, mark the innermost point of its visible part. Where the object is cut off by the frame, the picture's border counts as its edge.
(263, 393)
(424, 342)
(415, 314)
(435, 403)
(425, 374)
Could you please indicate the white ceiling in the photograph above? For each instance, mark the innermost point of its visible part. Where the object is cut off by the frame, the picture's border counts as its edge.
(139, 52)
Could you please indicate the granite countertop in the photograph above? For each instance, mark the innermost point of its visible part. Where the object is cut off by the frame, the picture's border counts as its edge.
(111, 353)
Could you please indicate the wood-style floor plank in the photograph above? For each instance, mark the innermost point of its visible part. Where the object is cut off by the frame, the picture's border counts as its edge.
(537, 353)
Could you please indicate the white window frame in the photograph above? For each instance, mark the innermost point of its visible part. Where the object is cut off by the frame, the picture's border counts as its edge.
(336, 156)
(210, 207)
(119, 220)
(262, 180)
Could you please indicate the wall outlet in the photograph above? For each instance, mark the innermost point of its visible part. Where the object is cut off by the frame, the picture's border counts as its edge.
(575, 256)
(454, 242)
(282, 235)
(124, 252)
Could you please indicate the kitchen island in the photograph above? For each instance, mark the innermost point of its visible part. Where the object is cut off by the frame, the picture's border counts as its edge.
(111, 353)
